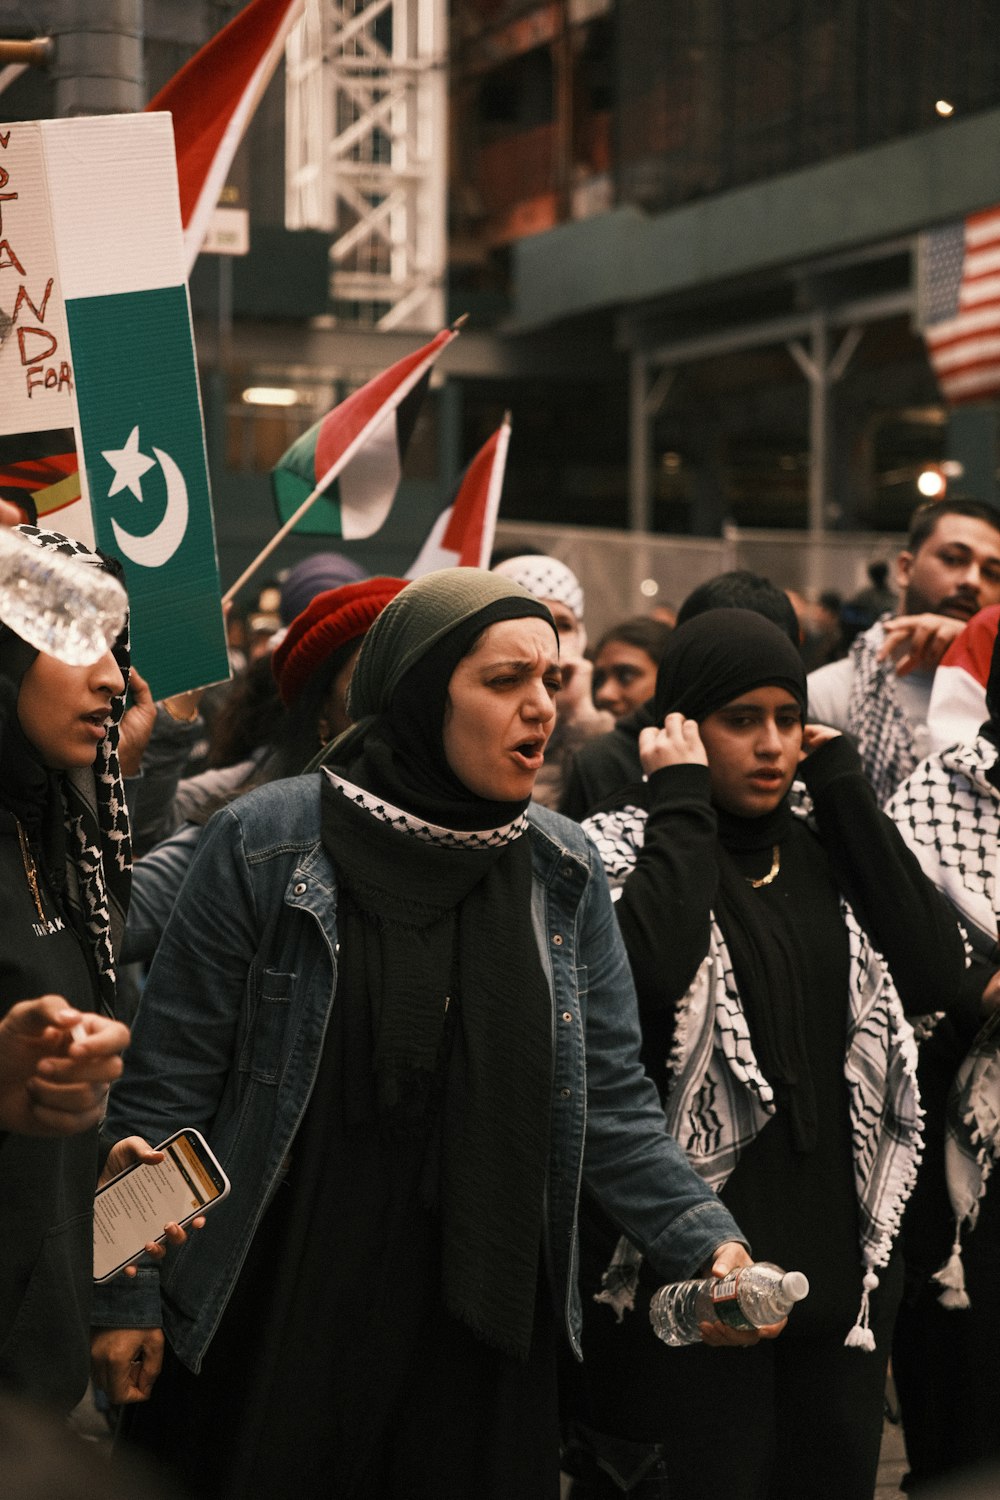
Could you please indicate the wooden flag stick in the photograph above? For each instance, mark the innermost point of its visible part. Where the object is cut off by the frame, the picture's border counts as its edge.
(279, 536)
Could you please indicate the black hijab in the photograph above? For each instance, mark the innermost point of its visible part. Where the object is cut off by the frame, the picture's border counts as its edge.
(720, 654)
(710, 661)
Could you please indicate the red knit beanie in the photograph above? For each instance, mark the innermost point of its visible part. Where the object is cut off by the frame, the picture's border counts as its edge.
(334, 618)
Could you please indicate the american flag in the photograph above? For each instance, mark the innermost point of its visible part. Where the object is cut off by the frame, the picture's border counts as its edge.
(959, 306)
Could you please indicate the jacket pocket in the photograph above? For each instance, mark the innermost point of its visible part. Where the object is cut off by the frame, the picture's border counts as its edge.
(262, 1054)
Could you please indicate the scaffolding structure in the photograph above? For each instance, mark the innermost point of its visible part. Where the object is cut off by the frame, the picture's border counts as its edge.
(366, 153)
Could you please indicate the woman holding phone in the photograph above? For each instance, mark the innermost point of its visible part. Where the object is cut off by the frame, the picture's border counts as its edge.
(393, 997)
(64, 873)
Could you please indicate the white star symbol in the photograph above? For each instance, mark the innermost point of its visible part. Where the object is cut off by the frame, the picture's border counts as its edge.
(129, 465)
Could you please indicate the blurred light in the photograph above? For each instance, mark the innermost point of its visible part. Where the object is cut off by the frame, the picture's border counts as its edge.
(649, 587)
(952, 469)
(671, 462)
(944, 108)
(931, 483)
(270, 395)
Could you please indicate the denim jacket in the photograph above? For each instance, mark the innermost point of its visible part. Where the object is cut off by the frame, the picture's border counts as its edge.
(231, 1027)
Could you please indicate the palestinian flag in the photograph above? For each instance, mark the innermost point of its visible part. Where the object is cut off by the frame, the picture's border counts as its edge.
(352, 460)
(212, 100)
(958, 696)
(39, 471)
(462, 535)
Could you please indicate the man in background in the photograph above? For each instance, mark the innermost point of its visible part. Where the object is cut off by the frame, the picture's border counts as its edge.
(880, 692)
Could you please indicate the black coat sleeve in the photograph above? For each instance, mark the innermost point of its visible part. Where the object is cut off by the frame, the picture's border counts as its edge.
(906, 917)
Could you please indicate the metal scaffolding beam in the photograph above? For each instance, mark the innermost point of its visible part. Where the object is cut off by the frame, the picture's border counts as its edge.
(820, 368)
(366, 152)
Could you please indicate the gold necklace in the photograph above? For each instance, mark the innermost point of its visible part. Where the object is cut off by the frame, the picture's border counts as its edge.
(30, 869)
(772, 872)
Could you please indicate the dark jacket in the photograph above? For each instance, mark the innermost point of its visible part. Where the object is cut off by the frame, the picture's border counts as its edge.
(231, 1029)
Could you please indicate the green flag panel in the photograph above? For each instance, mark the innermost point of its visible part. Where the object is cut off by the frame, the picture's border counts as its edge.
(144, 453)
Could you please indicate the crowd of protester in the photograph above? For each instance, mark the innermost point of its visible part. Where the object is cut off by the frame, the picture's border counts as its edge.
(510, 978)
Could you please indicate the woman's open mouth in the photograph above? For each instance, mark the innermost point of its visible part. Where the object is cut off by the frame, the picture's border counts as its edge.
(530, 754)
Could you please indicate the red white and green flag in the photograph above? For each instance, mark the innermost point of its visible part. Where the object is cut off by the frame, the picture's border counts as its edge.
(462, 535)
(346, 469)
(212, 100)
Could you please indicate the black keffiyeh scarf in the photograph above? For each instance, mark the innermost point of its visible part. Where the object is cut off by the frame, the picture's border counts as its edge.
(79, 816)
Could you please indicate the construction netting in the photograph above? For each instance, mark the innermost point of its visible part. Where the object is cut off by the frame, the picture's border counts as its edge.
(713, 94)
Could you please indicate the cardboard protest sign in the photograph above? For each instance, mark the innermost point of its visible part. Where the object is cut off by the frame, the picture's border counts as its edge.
(101, 430)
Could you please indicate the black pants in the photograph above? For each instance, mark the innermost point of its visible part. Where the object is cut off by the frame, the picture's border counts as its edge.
(947, 1374)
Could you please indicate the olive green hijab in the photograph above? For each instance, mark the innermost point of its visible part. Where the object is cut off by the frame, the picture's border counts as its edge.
(399, 694)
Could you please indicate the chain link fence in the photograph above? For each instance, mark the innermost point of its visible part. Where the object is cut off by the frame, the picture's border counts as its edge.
(630, 573)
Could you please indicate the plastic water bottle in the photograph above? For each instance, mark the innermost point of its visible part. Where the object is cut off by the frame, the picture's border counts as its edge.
(66, 608)
(750, 1297)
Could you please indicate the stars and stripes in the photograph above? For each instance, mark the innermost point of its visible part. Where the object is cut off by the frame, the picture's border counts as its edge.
(960, 306)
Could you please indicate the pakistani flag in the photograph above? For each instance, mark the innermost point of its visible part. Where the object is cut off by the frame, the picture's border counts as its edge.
(344, 472)
(144, 450)
(104, 367)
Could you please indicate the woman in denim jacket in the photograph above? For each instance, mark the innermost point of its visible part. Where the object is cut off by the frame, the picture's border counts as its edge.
(374, 1309)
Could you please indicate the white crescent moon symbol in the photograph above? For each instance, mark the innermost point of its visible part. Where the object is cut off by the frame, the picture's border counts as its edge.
(159, 546)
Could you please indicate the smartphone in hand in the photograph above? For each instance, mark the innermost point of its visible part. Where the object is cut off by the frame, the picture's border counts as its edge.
(131, 1210)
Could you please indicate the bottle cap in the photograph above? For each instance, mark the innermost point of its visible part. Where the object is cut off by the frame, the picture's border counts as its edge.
(795, 1285)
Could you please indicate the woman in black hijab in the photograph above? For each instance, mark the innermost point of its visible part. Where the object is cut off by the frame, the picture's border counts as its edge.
(393, 996)
(776, 941)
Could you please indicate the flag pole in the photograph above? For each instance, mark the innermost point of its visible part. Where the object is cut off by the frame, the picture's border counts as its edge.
(279, 536)
(324, 484)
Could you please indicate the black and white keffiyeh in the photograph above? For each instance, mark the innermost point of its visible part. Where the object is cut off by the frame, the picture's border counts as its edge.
(99, 848)
(948, 813)
(419, 828)
(719, 1099)
(875, 717)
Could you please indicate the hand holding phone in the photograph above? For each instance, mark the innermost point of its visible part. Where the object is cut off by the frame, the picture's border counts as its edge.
(132, 1209)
